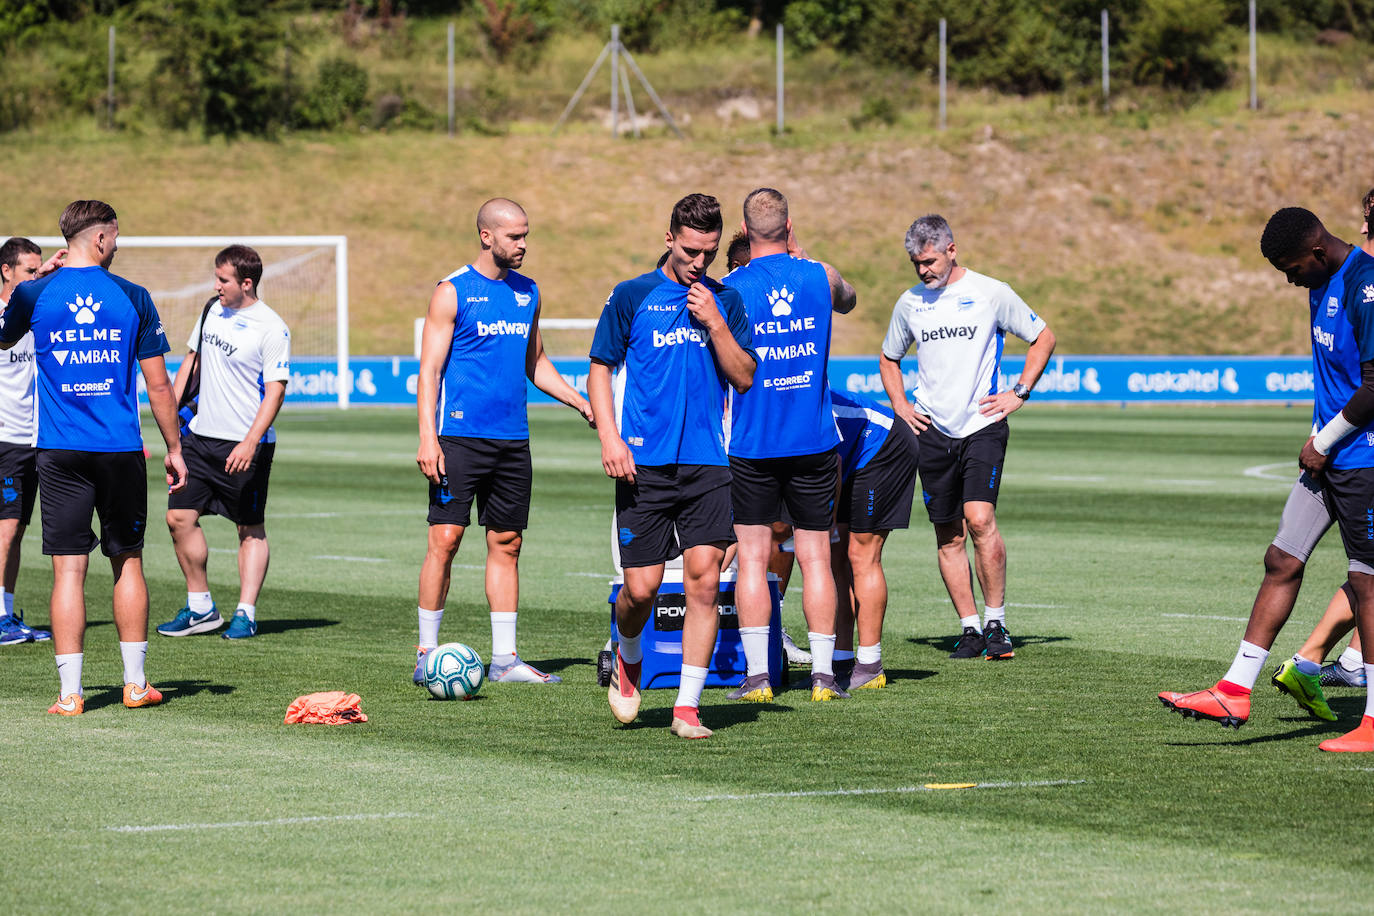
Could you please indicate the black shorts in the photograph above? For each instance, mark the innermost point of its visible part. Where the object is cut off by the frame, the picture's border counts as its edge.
(72, 485)
(1349, 496)
(671, 506)
(878, 496)
(799, 489)
(497, 472)
(18, 481)
(241, 498)
(956, 471)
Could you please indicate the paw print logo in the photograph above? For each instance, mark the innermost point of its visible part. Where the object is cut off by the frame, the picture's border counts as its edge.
(780, 300)
(85, 309)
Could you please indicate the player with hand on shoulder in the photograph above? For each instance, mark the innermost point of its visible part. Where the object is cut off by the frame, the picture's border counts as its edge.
(679, 339)
(21, 260)
(480, 342)
(957, 319)
(92, 331)
(244, 364)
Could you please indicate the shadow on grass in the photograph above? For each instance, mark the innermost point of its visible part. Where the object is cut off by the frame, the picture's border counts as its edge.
(267, 627)
(171, 692)
(715, 716)
(947, 643)
(559, 664)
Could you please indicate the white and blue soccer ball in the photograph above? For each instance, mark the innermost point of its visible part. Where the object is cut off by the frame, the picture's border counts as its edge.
(453, 671)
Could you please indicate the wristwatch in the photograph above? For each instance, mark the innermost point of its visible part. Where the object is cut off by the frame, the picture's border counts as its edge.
(1021, 391)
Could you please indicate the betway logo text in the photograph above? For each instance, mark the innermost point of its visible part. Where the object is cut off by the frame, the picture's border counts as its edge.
(1325, 338)
(677, 336)
(965, 331)
(493, 328)
(215, 340)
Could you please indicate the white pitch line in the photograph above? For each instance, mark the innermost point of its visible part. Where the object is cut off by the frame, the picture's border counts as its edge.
(588, 575)
(332, 556)
(276, 822)
(1076, 478)
(1180, 482)
(889, 791)
(1208, 617)
(1261, 471)
(361, 512)
(1018, 604)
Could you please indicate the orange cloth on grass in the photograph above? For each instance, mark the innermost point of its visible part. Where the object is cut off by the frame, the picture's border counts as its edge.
(328, 707)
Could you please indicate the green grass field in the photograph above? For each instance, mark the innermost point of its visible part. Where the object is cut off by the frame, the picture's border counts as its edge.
(1134, 540)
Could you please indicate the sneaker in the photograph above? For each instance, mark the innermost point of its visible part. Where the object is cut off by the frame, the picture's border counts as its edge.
(241, 626)
(868, 677)
(73, 704)
(188, 623)
(687, 723)
(518, 672)
(136, 696)
(1361, 740)
(1212, 704)
(795, 654)
(998, 641)
(755, 689)
(824, 689)
(623, 693)
(1337, 675)
(38, 635)
(13, 632)
(1305, 688)
(420, 653)
(970, 645)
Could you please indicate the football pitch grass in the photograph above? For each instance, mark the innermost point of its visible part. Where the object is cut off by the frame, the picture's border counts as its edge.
(1134, 537)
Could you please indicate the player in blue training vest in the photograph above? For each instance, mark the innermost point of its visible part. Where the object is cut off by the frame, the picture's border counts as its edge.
(481, 341)
(679, 339)
(90, 327)
(1338, 465)
(783, 438)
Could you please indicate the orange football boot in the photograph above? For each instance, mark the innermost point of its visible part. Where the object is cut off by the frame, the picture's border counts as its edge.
(73, 704)
(1231, 710)
(1360, 740)
(136, 696)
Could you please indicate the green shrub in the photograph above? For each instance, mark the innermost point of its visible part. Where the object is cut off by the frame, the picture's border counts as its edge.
(338, 95)
(1178, 44)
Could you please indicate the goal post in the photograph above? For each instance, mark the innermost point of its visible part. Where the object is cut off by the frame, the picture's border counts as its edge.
(304, 280)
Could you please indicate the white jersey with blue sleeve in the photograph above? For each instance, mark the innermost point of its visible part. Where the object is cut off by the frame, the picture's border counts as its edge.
(90, 329)
(787, 410)
(673, 406)
(1342, 338)
(482, 388)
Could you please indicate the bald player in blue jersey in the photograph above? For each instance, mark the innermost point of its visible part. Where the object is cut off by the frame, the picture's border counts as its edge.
(783, 438)
(93, 332)
(1337, 460)
(480, 342)
(679, 340)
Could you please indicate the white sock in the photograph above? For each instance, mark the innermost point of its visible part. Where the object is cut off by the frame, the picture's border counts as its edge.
(630, 651)
(429, 627)
(69, 673)
(502, 637)
(134, 654)
(843, 655)
(1245, 670)
(995, 613)
(870, 655)
(822, 652)
(250, 609)
(689, 686)
(1369, 696)
(755, 641)
(8, 597)
(199, 602)
(1351, 659)
(970, 621)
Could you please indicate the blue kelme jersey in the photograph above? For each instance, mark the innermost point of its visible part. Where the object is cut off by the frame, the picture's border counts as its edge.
(787, 411)
(863, 424)
(1343, 337)
(483, 379)
(90, 329)
(672, 398)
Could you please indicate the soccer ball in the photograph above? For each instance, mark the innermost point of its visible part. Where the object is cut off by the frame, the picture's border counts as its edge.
(453, 671)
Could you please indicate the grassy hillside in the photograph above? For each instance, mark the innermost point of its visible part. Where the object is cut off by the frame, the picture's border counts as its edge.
(1131, 231)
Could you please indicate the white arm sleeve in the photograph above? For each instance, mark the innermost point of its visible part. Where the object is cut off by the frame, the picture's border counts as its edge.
(276, 355)
(1014, 315)
(899, 337)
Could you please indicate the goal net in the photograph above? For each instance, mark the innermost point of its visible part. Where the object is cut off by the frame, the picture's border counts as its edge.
(304, 280)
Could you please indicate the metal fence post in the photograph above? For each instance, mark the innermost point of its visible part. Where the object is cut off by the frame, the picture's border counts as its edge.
(1254, 72)
(942, 74)
(1106, 71)
(109, 85)
(451, 86)
(780, 83)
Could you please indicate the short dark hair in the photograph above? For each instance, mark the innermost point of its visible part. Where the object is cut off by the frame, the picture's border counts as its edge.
(246, 262)
(1289, 233)
(737, 255)
(696, 211)
(12, 249)
(81, 215)
(1367, 205)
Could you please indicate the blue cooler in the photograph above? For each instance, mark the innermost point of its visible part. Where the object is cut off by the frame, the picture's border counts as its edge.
(662, 637)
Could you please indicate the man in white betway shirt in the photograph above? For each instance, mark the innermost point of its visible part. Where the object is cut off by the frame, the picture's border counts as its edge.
(245, 362)
(20, 260)
(958, 319)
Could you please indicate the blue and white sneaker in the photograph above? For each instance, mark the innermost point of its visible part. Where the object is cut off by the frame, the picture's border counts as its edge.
(241, 626)
(518, 672)
(1337, 675)
(188, 623)
(38, 635)
(419, 678)
(13, 632)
